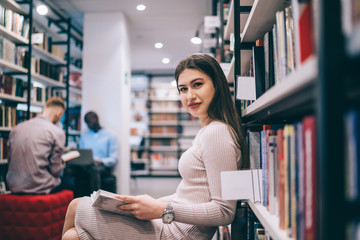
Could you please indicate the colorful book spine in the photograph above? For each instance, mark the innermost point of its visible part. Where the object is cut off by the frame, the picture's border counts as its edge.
(310, 178)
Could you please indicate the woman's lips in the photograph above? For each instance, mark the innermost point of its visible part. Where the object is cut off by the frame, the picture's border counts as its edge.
(194, 105)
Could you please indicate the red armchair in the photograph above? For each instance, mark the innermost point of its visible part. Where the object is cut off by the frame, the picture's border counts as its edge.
(35, 217)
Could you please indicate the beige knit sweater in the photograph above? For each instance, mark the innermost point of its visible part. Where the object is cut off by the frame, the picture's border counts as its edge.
(197, 202)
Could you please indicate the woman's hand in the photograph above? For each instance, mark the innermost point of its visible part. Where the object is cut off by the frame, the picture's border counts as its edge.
(142, 207)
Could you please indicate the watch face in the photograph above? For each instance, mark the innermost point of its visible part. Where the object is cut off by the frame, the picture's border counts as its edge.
(168, 217)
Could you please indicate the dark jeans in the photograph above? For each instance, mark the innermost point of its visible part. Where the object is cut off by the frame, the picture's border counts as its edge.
(89, 178)
(66, 183)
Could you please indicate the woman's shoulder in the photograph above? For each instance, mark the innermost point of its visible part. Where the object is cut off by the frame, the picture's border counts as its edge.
(216, 128)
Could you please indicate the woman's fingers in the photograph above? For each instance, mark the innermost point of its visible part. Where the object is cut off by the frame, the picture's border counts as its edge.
(129, 199)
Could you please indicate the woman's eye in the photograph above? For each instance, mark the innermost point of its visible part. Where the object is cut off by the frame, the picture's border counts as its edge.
(182, 89)
(197, 84)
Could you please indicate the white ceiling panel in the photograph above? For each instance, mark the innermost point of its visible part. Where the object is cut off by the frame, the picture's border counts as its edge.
(172, 22)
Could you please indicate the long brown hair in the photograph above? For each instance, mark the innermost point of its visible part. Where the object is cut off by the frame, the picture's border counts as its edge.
(222, 107)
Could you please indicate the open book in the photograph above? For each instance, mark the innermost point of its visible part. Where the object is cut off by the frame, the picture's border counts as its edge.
(70, 155)
(106, 201)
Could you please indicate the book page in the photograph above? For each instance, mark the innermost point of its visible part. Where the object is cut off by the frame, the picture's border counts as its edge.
(106, 201)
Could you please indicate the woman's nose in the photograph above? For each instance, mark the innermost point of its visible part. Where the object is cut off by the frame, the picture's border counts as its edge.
(191, 94)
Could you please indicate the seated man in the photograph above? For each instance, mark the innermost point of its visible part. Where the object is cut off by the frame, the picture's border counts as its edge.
(105, 150)
(35, 149)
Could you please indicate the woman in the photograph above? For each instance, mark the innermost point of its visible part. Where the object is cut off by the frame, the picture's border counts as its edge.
(196, 208)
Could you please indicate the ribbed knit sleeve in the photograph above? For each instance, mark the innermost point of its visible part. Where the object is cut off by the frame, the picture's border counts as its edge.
(198, 198)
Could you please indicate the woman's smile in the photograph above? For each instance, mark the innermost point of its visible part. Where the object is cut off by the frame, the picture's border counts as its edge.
(194, 105)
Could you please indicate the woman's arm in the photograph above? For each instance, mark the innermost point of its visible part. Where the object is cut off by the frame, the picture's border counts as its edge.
(218, 153)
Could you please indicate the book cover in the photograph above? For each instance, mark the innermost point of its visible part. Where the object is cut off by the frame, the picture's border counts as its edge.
(70, 155)
(271, 173)
(282, 172)
(310, 178)
(248, 185)
(305, 31)
(290, 39)
(106, 201)
(300, 229)
(281, 44)
(286, 166)
(259, 70)
(275, 54)
(269, 60)
(292, 181)
(352, 146)
(254, 149)
(263, 166)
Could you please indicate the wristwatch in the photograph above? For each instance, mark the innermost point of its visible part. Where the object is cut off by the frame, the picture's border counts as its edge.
(168, 215)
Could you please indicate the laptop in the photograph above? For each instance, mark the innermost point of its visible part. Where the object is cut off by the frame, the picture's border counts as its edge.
(85, 158)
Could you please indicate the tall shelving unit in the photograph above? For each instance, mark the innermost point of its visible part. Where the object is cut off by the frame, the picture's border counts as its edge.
(33, 82)
(167, 133)
(319, 87)
(68, 40)
(10, 67)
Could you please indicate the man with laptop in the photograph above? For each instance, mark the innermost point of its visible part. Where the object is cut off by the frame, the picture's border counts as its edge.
(98, 150)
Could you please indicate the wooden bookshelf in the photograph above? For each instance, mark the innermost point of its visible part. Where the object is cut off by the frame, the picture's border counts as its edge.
(269, 222)
(320, 88)
(47, 81)
(12, 36)
(75, 69)
(10, 67)
(75, 90)
(5, 129)
(163, 123)
(164, 148)
(14, 6)
(3, 161)
(53, 59)
(229, 28)
(298, 86)
(163, 135)
(261, 19)
(11, 98)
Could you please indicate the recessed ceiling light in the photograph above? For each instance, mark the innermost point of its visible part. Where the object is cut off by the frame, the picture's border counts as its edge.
(141, 7)
(42, 9)
(196, 40)
(165, 60)
(158, 45)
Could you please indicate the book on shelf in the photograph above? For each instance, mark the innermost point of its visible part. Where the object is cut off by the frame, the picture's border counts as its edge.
(310, 177)
(300, 189)
(248, 185)
(287, 179)
(269, 61)
(351, 25)
(263, 159)
(14, 22)
(254, 149)
(272, 172)
(305, 23)
(246, 88)
(352, 156)
(106, 201)
(259, 70)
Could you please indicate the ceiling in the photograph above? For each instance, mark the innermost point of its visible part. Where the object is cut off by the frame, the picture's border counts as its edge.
(172, 22)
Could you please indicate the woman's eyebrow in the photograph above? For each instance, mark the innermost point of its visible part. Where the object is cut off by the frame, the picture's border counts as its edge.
(191, 81)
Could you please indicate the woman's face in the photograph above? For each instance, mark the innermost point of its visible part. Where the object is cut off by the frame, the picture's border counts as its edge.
(196, 93)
